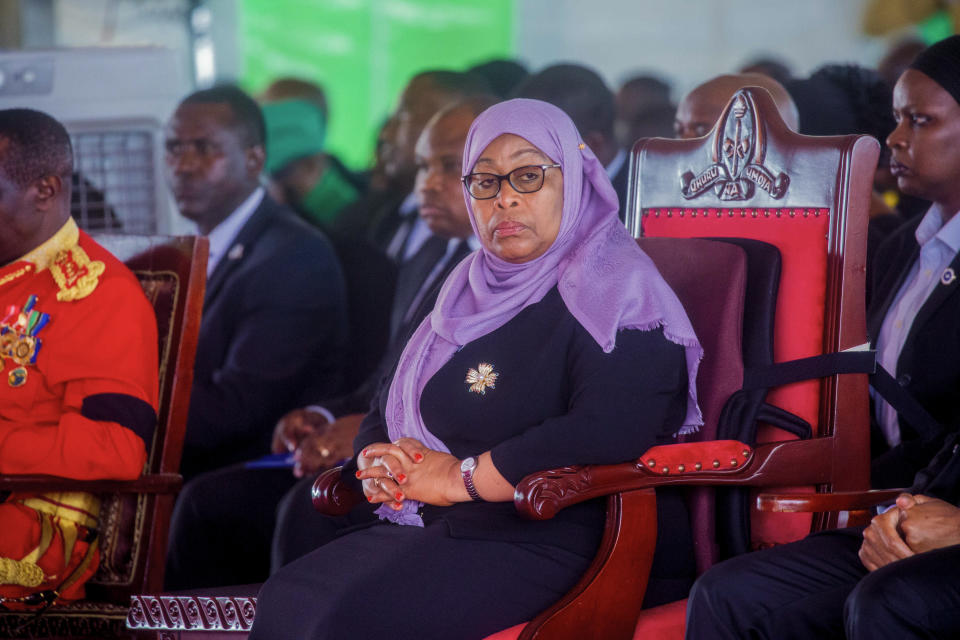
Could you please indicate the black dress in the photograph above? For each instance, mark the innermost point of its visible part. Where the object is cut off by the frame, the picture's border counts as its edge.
(476, 568)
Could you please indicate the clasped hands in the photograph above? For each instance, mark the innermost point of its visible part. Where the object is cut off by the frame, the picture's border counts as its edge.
(916, 524)
(315, 443)
(406, 469)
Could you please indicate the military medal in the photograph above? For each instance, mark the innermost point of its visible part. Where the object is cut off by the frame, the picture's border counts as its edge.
(19, 341)
(17, 377)
(481, 378)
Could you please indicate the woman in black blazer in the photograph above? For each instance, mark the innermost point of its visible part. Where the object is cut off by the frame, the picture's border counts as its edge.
(557, 343)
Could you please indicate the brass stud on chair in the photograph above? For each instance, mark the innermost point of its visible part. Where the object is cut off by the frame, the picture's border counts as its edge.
(651, 463)
(746, 452)
(698, 466)
(733, 462)
(681, 468)
(716, 464)
(666, 470)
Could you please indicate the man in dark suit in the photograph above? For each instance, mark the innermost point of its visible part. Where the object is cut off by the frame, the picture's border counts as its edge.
(585, 97)
(387, 211)
(274, 318)
(201, 547)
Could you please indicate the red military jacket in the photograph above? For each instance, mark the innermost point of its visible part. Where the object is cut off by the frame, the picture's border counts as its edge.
(78, 362)
(78, 399)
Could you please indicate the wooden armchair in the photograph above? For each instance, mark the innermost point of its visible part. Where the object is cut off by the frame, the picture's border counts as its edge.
(751, 177)
(135, 515)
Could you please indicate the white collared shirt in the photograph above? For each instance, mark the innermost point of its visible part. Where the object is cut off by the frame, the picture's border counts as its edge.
(402, 237)
(222, 236)
(939, 244)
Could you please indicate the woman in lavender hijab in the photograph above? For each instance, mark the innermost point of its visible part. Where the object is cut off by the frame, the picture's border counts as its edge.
(556, 343)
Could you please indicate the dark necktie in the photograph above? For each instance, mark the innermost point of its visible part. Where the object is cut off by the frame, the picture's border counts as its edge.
(412, 276)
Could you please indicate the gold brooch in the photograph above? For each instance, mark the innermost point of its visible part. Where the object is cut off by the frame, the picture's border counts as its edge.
(481, 378)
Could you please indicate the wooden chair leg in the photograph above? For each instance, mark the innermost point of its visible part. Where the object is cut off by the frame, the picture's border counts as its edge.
(608, 598)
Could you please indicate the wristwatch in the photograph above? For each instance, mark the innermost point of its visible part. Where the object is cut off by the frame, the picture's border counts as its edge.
(467, 469)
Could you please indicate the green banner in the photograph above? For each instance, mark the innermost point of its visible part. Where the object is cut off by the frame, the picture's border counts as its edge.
(364, 51)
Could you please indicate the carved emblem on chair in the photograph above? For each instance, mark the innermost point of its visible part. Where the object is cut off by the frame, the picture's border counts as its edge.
(737, 152)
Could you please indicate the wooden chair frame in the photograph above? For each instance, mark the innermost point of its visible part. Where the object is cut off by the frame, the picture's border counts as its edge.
(183, 260)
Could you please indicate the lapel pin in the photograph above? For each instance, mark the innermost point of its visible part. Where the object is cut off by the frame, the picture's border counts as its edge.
(948, 276)
(236, 252)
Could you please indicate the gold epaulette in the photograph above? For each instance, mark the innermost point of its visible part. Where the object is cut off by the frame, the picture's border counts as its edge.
(75, 273)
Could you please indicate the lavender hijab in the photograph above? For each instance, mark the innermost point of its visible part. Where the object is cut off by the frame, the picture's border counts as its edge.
(604, 279)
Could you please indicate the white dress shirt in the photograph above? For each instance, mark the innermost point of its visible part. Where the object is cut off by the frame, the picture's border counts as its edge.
(222, 236)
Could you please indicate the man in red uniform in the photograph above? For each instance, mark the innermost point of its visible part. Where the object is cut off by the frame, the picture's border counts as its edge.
(78, 367)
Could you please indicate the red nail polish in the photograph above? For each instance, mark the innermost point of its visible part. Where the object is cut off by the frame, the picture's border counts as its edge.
(398, 496)
(418, 457)
(358, 473)
(370, 498)
(364, 453)
(402, 477)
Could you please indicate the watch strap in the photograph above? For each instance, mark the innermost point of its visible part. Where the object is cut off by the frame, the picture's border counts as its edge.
(467, 475)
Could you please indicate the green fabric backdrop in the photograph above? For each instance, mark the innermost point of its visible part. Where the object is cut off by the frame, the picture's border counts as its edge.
(363, 52)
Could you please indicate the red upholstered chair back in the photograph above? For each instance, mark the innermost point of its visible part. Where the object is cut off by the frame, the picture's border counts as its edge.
(752, 177)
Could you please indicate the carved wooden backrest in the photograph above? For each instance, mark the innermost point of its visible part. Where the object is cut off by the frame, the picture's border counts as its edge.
(753, 177)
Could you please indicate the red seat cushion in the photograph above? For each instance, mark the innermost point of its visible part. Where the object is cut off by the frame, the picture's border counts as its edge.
(666, 622)
(508, 634)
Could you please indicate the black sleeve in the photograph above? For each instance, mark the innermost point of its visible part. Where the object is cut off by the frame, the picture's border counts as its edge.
(372, 429)
(621, 404)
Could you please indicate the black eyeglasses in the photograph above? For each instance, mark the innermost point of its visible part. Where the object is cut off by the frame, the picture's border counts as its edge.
(483, 186)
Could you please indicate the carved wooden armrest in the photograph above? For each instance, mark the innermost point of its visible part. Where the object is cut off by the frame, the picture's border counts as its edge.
(540, 496)
(165, 483)
(332, 497)
(839, 501)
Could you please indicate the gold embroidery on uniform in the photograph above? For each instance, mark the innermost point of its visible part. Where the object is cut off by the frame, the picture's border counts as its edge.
(75, 273)
(481, 378)
(16, 274)
(21, 573)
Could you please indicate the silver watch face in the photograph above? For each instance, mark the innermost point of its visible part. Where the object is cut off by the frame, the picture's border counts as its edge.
(468, 464)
